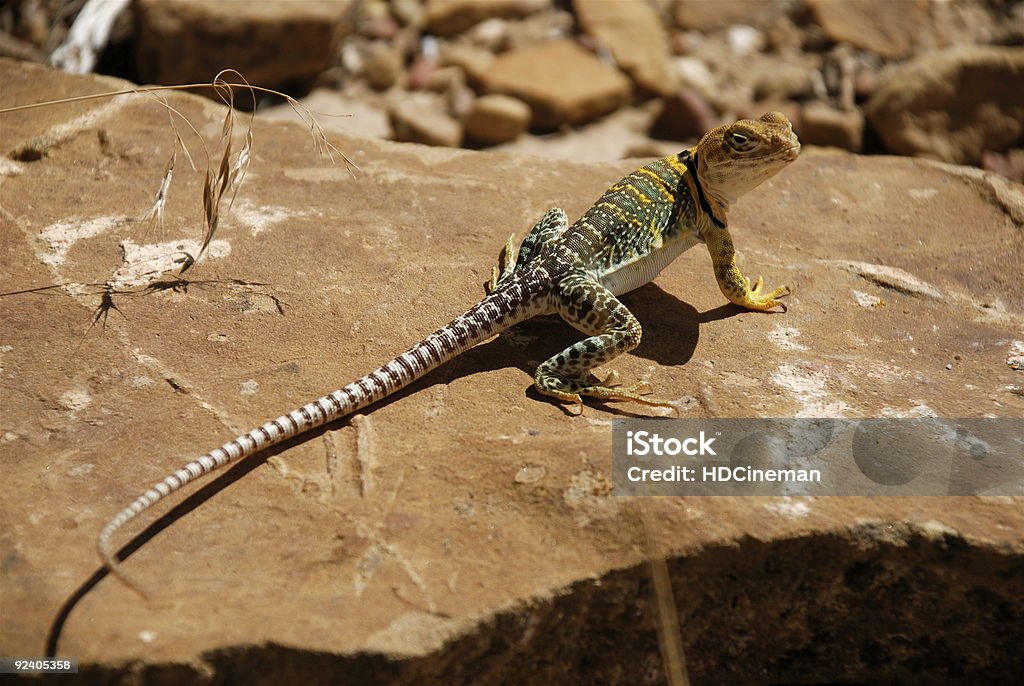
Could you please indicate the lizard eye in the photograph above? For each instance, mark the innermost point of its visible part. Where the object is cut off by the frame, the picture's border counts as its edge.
(738, 141)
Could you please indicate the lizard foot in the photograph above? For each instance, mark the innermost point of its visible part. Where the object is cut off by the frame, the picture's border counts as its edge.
(506, 266)
(635, 393)
(564, 396)
(572, 390)
(756, 299)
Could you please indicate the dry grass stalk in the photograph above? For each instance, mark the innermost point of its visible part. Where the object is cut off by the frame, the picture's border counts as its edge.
(226, 178)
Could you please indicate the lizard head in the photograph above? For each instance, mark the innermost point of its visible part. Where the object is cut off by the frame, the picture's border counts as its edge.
(734, 159)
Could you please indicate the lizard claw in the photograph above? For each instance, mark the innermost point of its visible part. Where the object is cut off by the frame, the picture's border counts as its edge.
(761, 302)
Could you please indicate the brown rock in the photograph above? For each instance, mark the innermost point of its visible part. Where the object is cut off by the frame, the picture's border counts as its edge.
(423, 118)
(580, 89)
(496, 119)
(460, 96)
(420, 71)
(744, 41)
(382, 64)
(713, 16)
(780, 77)
(1010, 165)
(490, 34)
(444, 79)
(686, 42)
(684, 116)
(978, 22)
(952, 105)
(409, 12)
(783, 36)
(18, 49)
(635, 35)
(473, 60)
(462, 532)
(185, 41)
(865, 83)
(540, 27)
(373, 19)
(379, 28)
(887, 28)
(821, 124)
(449, 17)
(694, 74)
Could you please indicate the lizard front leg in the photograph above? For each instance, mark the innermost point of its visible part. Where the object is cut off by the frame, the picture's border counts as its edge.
(733, 284)
(613, 330)
(551, 226)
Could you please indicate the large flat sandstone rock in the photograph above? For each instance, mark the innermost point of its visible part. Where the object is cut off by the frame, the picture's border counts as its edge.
(463, 532)
(562, 82)
(270, 41)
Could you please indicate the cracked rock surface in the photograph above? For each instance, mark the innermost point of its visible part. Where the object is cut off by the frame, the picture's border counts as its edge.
(464, 531)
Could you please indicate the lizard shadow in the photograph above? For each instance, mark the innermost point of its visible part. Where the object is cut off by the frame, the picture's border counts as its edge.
(671, 342)
(190, 503)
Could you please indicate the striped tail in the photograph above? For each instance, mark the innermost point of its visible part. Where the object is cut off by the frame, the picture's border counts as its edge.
(506, 307)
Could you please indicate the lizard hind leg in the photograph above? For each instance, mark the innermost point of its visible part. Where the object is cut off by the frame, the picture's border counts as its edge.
(613, 329)
(510, 261)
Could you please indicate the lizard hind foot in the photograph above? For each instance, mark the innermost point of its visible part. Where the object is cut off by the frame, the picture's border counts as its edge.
(636, 393)
(565, 396)
(506, 266)
(611, 389)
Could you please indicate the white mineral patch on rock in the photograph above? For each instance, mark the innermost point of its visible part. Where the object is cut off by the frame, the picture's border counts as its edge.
(9, 167)
(918, 410)
(149, 262)
(789, 507)
(259, 218)
(60, 237)
(785, 338)
(890, 277)
(809, 388)
(923, 193)
(1015, 358)
(75, 400)
(867, 300)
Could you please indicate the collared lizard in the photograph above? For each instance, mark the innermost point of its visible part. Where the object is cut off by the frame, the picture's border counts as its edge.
(623, 241)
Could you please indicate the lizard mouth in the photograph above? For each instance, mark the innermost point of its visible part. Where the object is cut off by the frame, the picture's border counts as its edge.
(789, 154)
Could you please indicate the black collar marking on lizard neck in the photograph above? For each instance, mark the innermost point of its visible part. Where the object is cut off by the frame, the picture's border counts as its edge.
(691, 165)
